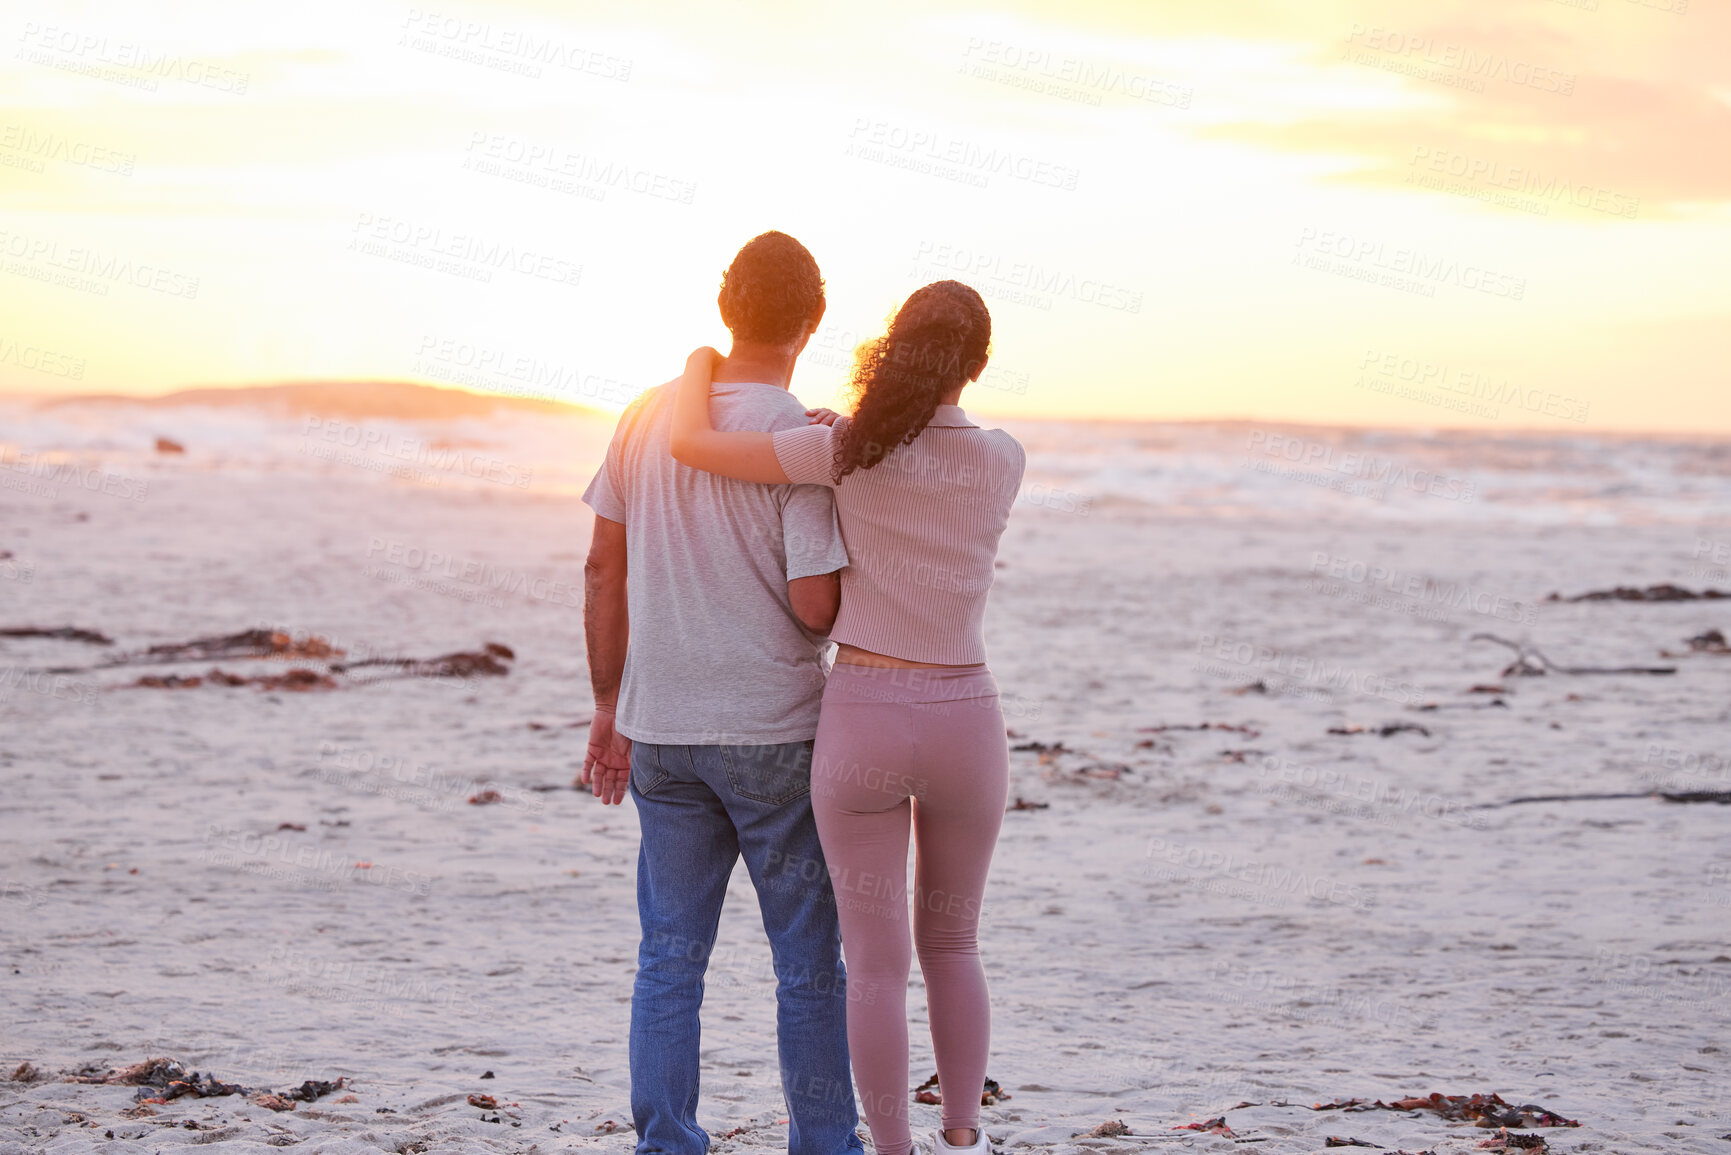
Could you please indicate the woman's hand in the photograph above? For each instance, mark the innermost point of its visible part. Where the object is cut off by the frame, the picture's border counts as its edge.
(818, 416)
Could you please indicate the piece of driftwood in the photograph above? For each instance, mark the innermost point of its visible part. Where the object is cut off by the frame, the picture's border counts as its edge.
(1386, 730)
(1229, 727)
(1530, 662)
(62, 633)
(1663, 592)
(1431, 707)
(1722, 797)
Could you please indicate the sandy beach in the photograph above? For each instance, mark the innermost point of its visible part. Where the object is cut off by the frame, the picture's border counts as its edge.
(1269, 855)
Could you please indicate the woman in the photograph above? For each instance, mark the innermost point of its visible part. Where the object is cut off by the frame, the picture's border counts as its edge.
(911, 732)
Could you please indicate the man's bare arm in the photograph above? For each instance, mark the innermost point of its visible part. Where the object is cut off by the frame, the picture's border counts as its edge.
(607, 632)
(816, 600)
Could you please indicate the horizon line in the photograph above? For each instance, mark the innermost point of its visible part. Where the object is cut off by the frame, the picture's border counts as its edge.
(8, 394)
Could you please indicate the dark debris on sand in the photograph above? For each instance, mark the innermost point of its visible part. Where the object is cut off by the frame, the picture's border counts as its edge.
(1100, 771)
(294, 681)
(929, 1092)
(1046, 750)
(245, 644)
(1711, 642)
(1482, 1110)
(1434, 707)
(1229, 727)
(1504, 1140)
(60, 633)
(1387, 730)
(490, 660)
(1663, 592)
(169, 682)
(313, 1090)
(1721, 797)
(162, 1079)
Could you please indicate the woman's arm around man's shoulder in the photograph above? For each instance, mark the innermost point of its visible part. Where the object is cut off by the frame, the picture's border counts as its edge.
(696, 442)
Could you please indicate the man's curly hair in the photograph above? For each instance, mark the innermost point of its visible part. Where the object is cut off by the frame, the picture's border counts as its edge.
(771, 291)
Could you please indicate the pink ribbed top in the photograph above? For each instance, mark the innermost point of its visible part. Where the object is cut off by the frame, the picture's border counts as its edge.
(921, 528)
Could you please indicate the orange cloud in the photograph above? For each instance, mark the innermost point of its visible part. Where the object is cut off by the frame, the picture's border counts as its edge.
(1529, 117)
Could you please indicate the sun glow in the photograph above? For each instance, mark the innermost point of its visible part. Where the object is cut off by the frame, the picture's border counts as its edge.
(1173, 210)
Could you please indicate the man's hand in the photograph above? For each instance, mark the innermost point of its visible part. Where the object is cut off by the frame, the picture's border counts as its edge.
(607, 761)
(821, 416)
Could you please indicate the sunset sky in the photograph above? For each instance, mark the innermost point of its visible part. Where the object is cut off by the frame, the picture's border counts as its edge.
(1497, 213)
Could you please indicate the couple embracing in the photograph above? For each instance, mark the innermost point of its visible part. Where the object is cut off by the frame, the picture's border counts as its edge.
(737, 534)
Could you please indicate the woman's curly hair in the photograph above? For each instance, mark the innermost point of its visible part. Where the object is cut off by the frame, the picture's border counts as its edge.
(937, 340)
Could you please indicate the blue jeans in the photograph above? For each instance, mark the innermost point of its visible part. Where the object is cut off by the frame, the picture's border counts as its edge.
(700, 808)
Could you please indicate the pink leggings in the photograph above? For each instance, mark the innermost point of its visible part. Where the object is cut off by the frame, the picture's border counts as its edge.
(923, 748)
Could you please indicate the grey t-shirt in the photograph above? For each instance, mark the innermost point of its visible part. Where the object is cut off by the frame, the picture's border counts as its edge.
(716, 655)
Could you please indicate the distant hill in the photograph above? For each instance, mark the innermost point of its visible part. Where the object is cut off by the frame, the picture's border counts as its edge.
(393, 399)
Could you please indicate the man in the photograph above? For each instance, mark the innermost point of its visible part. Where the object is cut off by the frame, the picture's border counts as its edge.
(706, 601)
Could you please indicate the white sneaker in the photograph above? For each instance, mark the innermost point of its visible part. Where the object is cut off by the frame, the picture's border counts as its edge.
(980, 1146)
